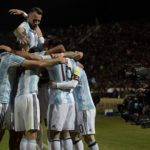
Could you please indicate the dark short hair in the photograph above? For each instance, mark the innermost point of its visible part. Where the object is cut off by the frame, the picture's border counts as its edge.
(37, 10)
(53, 41)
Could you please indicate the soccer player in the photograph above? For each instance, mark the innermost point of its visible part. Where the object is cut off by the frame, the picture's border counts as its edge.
(61, 109)
(86, 111)
(29, 33)
(5, 86)
(33, 36)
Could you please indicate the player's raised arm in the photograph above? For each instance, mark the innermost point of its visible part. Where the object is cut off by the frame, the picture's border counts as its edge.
(18, 12)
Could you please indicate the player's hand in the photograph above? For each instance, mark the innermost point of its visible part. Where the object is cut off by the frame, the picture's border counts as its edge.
(62, 60)
(61, 48)
(15, 11)
(79, 55)
(52, 85)
(56, 55)
(23, 39)
(6, 48)
(38, 31)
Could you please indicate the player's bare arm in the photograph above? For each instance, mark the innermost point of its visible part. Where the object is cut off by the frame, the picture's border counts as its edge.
(57, 49)
(34, 63)
(22, 53)
(18, 12)
(43, 63)
(20, 34)
(77, 55)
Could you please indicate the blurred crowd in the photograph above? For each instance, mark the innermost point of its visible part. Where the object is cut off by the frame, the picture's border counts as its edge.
(107, 48)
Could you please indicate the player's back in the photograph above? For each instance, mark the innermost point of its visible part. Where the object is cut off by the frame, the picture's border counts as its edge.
(57, 73)
(29, 78)
(7, 60)
(28, 82)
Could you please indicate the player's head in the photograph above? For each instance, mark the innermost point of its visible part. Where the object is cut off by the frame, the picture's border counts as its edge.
(35, 16)
(52, 41)
(10, 40)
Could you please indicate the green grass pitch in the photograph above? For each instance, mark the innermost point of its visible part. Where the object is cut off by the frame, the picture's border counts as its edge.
(112, 133)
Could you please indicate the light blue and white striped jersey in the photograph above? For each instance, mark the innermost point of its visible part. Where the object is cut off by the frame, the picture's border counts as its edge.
(82, 93)
(7, 60)
(34, 40)
(28, 81)
(61, 73)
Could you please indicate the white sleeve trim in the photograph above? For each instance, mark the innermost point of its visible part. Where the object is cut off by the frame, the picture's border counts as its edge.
(67, 85)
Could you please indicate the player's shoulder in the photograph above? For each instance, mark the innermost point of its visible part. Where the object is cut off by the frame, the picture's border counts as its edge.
(71, 61)
(4, 54)
(25, 25)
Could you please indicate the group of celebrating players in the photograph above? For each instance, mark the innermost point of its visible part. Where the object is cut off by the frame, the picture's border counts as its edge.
(70, 109)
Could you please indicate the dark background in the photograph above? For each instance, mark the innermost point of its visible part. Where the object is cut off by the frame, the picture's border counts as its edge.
(75, 12)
